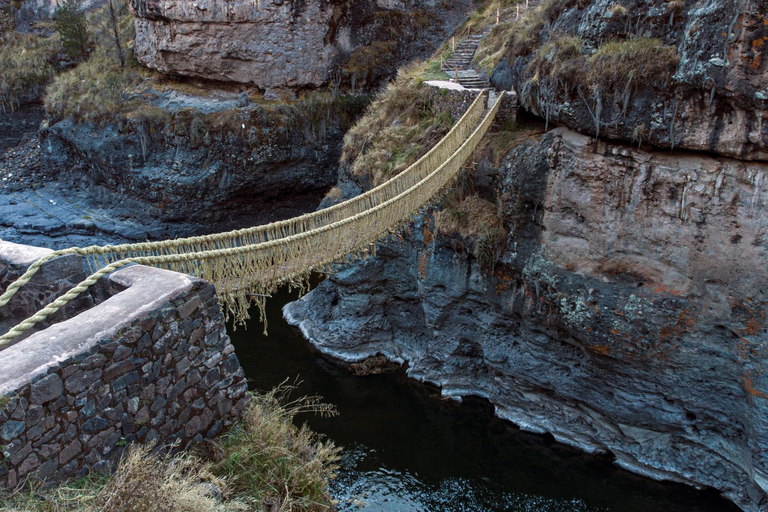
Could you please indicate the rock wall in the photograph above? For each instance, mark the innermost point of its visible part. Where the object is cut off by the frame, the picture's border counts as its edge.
(627, 313)
(715, 99)
(202, 168)
(276, 44)
(152, 362)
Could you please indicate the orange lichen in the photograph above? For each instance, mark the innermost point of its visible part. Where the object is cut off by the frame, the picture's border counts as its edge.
(423, 263)
(666, 289)
(750, 388)
(753, 327)
(601, 349)
(505, 282)
(427, 234)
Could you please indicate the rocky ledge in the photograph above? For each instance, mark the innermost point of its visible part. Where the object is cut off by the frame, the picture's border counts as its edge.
(676, 74)
(617, 317)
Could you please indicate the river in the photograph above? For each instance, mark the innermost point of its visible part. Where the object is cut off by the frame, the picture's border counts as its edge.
(407, 449)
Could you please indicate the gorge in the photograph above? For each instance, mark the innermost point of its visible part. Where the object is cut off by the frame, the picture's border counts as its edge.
(598, 272)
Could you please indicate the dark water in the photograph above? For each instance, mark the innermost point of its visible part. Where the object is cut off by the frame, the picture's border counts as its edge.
(409, 450)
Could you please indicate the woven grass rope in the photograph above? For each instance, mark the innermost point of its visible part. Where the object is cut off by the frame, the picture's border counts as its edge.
(247, 265)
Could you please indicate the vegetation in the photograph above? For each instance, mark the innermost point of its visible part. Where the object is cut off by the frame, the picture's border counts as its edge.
(617, 65)
(398, 128)
(476, 220)
(95, 89)
(69, 21)
(266, 462)
(27, 63)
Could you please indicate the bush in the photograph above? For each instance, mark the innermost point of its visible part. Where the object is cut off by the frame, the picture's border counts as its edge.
(69, 21)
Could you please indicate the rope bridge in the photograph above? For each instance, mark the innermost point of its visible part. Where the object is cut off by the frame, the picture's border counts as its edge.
(247, 265)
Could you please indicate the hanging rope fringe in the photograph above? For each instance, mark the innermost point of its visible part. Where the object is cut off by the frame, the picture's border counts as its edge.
(248, 265)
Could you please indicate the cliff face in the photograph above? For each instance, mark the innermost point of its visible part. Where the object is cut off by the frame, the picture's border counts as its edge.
(685, 74)
(207, 171)
(627, 312)
(276, 44)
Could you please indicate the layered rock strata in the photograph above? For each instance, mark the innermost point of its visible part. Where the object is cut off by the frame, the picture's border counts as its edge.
(627, 313)
(276, 44)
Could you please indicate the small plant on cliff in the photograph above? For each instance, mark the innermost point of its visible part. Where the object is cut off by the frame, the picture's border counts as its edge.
(69, 21)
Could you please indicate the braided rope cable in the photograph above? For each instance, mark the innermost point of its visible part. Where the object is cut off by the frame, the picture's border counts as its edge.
(239, 270)
(98, 256)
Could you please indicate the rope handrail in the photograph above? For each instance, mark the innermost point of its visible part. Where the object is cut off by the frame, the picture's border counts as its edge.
(98, 256)
(245, 274)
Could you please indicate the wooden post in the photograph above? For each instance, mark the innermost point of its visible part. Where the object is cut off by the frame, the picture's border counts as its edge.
(453, 43)
(457, 73)
(469, 29)
(498, 15)
(442, 65)
(518, 11)
(526, 4)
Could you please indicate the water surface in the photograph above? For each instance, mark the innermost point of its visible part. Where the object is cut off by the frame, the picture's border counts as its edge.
(406, 449)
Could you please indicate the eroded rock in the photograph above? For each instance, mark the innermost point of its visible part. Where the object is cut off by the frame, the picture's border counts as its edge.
(298, 44)
(627, 314)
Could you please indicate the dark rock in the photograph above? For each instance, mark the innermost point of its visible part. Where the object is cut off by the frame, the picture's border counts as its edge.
(46, 389)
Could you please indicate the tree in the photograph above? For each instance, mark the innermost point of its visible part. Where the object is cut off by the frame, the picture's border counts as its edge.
(113, 22)
(69, 21)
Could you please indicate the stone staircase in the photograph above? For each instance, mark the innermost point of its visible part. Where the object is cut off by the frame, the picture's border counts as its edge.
(461, 58)
(459, 65)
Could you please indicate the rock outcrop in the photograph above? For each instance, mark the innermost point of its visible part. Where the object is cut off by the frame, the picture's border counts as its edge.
(627, 313)
(206, 170)
(276, 45)
(711, 95)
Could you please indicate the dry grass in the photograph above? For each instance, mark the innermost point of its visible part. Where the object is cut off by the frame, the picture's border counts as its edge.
(95, 89)
(398, 128)
(642, 61)
(477, 221)
(265, 463)
(560, 59)
(271, 460)
(144, 482)
(27, 64)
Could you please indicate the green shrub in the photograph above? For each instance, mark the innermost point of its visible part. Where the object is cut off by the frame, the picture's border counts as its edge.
(69, 21)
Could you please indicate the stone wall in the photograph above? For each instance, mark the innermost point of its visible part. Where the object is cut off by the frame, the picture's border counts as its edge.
(459, 100)
(151, 363)
(53, 279)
